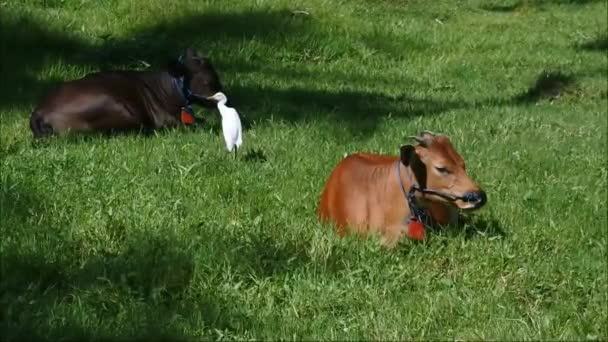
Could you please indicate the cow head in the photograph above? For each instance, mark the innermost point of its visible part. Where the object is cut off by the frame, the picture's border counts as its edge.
(440, 171)
(199, 76)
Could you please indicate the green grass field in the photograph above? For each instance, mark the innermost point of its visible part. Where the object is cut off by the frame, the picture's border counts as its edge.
(169, 237)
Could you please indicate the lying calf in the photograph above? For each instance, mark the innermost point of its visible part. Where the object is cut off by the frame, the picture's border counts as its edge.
(427, 184)
(128, 100)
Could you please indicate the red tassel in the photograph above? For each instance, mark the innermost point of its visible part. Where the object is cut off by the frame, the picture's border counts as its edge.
(187, 118)
(415, 229)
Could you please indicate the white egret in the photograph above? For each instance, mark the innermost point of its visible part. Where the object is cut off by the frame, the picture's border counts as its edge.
(231, 123)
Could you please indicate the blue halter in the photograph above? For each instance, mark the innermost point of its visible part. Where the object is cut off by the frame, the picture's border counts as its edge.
(181, 85)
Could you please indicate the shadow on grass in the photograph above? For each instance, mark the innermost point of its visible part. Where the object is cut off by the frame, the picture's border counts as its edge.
(212, 30)
(26, 48)
(131, 291)
(488, 227)
(361, 111)
(512, 6)
(254, 253)
(502, 7)
(472, 226)
(17, 203)
(255, 155)
(262, 256)
(86, 137)
(141, 289)
(599, 44)
(21, 35)
(549, 85)
(32, 286)
(571, 2)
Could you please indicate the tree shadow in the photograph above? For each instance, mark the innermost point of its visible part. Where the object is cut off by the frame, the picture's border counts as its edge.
(255, 155)
(489, 227)
(17, 203)
(572, 2)
(88, 137)
(358, 111)
(502, 7)
(598, 44)
(209, 32)
(153, 270)
(222, 33)
(21, 35)
(26, 48)
(549, 85)
(472, 226)
(512, 6)
(254, 254)
(263, 256)
(145, 133)
(214, 34)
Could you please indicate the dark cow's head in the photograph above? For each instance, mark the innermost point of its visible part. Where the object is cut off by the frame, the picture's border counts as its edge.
(199, 76)
(441, 172)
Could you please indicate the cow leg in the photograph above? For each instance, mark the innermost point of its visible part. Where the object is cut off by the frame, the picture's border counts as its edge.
(91, 122)
(118, 120)
(64, 124)
(92, 110)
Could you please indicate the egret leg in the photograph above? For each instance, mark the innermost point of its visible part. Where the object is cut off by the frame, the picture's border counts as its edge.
(235, 148)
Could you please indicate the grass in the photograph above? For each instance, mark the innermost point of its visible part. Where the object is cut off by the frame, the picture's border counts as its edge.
(167, 237)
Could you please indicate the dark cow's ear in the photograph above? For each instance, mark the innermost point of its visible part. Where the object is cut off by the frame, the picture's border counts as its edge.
(408, 153)
(176, 68)
(192, 53)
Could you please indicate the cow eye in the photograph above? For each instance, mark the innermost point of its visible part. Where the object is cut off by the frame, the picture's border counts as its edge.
(442, 170)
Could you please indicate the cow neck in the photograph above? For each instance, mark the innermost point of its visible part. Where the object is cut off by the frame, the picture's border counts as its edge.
(416, 212)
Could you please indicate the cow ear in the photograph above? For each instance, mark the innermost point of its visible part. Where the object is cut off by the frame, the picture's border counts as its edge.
(191, 53)
(176, 68)
(408, 153)
(409, 157)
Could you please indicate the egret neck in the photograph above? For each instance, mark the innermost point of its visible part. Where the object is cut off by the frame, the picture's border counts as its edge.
(221, 100)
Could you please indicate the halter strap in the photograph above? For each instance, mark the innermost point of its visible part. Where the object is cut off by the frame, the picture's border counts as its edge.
(415, 211)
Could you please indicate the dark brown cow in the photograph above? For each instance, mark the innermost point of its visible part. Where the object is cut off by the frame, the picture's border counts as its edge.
(128, 100)
(390, 195)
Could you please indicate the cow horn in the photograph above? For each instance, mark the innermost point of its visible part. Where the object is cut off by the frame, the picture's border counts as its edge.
(419, 140)
(428, 132)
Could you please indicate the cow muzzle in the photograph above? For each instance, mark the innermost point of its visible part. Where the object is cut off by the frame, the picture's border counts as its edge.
(472, 200)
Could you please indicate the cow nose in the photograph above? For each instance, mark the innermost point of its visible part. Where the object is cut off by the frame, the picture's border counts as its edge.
(477, 198)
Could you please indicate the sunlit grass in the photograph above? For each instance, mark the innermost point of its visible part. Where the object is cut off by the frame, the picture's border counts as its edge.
(168, 237)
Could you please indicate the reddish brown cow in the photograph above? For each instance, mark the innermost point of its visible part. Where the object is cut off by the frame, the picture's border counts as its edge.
(391, 195)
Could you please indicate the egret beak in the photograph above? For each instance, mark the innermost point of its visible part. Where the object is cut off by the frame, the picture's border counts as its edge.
(216, 97)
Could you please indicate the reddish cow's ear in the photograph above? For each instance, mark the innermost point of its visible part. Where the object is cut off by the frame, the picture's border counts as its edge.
(409, 157)
(408, 153)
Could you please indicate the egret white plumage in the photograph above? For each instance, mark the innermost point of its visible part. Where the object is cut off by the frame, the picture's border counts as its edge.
(231, 123)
